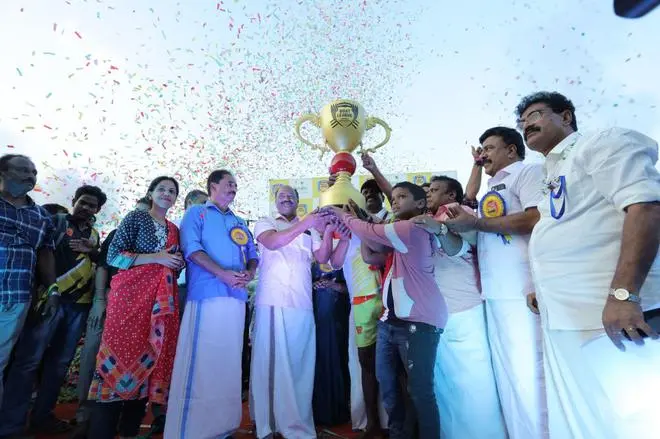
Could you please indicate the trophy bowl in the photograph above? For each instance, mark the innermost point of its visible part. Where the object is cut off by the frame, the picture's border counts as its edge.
(343, 123)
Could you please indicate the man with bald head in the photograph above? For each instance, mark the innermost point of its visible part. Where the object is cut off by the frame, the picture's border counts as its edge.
(284, 339)
(26, 247)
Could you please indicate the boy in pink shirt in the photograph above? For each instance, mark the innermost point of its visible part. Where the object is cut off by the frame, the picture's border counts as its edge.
(415, 311)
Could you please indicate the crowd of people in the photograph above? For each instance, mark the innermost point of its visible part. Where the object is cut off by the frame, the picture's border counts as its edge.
(531, 312)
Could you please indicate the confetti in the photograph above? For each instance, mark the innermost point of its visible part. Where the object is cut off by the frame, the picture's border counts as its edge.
(184, 88)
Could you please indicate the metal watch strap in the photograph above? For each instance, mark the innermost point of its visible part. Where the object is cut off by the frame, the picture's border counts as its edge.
(631, 297)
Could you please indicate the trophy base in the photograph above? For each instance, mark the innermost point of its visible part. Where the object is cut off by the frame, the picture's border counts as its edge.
(340, 192)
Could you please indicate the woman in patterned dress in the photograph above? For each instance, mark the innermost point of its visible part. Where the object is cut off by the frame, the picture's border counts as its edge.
(135, 360)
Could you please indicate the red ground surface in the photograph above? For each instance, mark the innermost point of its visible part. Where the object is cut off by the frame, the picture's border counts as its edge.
(67, 411)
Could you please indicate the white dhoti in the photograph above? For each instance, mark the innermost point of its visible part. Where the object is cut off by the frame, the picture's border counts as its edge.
(465, 381)
(358, 409)
(282, 372)
(596, 391)
(205, 394)
(514, 334)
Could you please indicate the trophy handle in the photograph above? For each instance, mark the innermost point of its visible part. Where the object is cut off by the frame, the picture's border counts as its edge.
(372, 122)
(314, 119)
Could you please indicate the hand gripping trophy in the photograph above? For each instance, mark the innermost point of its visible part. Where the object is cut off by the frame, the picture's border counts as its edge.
(343, 123)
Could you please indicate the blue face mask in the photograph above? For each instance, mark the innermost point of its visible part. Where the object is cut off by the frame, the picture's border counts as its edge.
(17, 188)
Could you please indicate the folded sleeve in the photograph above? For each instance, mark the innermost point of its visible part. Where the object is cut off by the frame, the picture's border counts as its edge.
(251, 248)
(529, 185)
(191, 230)
(264, 225)
(622, 165)
(122, 252)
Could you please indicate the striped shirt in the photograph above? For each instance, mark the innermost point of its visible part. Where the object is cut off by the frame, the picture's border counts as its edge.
(23, 231)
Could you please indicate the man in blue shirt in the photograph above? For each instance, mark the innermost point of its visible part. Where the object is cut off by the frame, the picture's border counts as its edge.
(26, 245)
(205, 395)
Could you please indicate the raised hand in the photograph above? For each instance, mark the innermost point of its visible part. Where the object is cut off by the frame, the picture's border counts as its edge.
(476, 155)
(369, 163)
(356, 211)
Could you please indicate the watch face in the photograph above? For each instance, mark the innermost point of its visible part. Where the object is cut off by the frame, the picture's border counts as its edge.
(621, 294)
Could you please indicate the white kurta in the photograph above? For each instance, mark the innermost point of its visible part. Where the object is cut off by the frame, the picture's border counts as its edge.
(465, 382)
(594, 390)
(284, 338)
(205, 394)
(282, 372)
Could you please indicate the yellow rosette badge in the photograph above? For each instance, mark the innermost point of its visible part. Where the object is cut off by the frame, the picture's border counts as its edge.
(239, 236)
(492, 205)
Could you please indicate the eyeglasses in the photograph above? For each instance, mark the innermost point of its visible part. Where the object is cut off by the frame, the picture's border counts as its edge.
(532, 117)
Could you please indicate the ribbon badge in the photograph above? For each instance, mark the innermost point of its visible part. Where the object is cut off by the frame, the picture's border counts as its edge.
(492, 205)
(239, 236)
(557, 189)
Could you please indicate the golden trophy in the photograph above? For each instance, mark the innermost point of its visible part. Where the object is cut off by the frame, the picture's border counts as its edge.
(343, 123)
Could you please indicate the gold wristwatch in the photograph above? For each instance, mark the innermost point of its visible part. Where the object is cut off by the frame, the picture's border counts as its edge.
(624, 295)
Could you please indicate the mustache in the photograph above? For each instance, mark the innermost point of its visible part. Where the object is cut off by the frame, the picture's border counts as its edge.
(531, 129)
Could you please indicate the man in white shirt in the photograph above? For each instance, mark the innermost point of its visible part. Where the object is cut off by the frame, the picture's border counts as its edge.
(507, 214)
(464, 378)
(284, 338)
(594, 259)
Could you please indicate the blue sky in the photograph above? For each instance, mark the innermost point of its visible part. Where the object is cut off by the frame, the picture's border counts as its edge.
(119, 92)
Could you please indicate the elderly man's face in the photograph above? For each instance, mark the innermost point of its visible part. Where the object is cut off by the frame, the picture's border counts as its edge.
(286, 201)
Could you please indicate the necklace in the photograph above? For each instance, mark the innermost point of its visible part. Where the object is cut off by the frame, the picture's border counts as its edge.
(161, 221)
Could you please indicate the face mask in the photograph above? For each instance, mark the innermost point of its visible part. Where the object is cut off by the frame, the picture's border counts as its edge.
(17, 188)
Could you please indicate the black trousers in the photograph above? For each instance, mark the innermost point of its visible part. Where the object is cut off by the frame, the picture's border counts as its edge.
(247, 349)
(120, 417)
